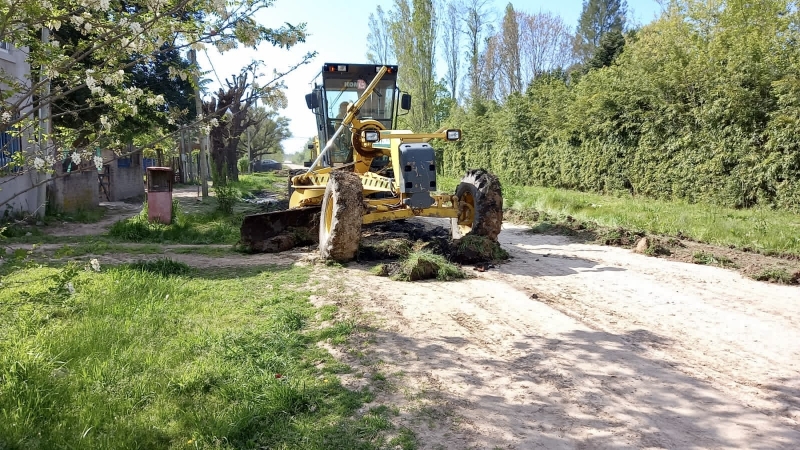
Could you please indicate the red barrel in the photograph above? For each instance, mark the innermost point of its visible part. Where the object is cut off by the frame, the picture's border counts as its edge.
(159, 194)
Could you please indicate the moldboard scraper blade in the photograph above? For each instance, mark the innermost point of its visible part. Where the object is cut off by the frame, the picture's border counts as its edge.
(280, 230)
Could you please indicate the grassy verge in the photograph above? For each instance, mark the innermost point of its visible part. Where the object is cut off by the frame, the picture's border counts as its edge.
(158, 355)
(762, 230)
(210, 227)
(259, 182)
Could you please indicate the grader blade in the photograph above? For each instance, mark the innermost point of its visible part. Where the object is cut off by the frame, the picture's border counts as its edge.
(277, 231)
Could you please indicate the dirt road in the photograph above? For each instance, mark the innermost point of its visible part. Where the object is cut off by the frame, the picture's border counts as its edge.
(573, 346)
(582, 346)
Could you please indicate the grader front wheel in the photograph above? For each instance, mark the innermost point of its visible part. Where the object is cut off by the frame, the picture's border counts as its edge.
(480, 202)
(340, 221)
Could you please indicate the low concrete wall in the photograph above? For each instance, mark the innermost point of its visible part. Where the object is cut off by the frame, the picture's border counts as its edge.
(76, 191)
(126, 182)
(23, 204)
(126, 177)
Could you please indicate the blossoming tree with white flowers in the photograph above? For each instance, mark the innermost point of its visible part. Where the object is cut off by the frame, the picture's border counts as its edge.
(110, 37)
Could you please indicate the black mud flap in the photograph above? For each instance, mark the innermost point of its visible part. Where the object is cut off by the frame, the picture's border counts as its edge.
(280, 230)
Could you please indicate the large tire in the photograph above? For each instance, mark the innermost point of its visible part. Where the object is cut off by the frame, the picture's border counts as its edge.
(340, 220)
(480, 201)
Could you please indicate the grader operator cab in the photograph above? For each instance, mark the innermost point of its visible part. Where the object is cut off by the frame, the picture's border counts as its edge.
(368, 172)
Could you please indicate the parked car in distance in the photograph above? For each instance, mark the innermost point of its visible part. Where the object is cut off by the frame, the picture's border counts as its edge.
(266, 165)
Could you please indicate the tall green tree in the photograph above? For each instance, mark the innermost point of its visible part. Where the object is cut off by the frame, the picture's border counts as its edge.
(452, 30)
(477, 20)
(265, 135)
(611, 45)
(598, 18)
(379, 41)
(115, 36)
(413, 29)
(510, 51)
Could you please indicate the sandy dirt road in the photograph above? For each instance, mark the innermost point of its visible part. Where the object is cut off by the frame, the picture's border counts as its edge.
(582, 346)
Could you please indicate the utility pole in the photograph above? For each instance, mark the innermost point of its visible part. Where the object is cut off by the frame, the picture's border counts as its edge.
(44, 133)
(203, 138)
(249, 152)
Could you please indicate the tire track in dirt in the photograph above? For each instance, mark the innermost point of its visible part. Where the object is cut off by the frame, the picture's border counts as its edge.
(594, 361)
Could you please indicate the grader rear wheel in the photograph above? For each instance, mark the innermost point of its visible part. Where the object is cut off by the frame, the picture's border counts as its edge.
(340, 221)
(480, 206)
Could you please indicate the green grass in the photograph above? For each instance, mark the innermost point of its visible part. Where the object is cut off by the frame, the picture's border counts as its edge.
(101, 247)
(91, 215)
(157, 355)
(260, 181)
(763, 230)
(758, 229)
(199, 228)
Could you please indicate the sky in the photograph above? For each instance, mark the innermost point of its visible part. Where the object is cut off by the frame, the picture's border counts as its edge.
(337, 31)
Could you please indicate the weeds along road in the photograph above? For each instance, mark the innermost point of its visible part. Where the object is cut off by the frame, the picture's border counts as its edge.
(582, 346)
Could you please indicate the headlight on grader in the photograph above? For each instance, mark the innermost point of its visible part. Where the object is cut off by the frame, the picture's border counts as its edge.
(372, 136)
(453, 135)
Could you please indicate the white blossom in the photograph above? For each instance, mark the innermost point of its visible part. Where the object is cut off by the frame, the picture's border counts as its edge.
(95, 264)
(213, 122)
(98, 162)
(136, 28)
(76, 20)
(105, 122)
(76, 157)
(6, 117)
(49, 160)
(38, 163)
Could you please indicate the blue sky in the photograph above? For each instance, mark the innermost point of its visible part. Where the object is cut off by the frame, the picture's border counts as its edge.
(338, 32)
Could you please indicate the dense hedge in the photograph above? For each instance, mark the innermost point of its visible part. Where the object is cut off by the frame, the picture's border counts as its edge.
(702, 105)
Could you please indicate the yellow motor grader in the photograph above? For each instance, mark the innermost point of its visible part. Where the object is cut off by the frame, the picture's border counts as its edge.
(369, 172)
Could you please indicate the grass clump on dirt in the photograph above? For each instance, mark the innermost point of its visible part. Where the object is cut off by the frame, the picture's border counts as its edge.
(777, 275)
(710, 259)
(200, 228)
(155, 355)
(421, 265)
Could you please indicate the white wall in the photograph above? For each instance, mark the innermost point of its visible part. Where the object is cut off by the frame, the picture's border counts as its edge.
(13, 62)
(24, 204)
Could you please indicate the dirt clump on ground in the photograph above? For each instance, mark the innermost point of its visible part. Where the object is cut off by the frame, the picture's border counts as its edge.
(413, 250)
